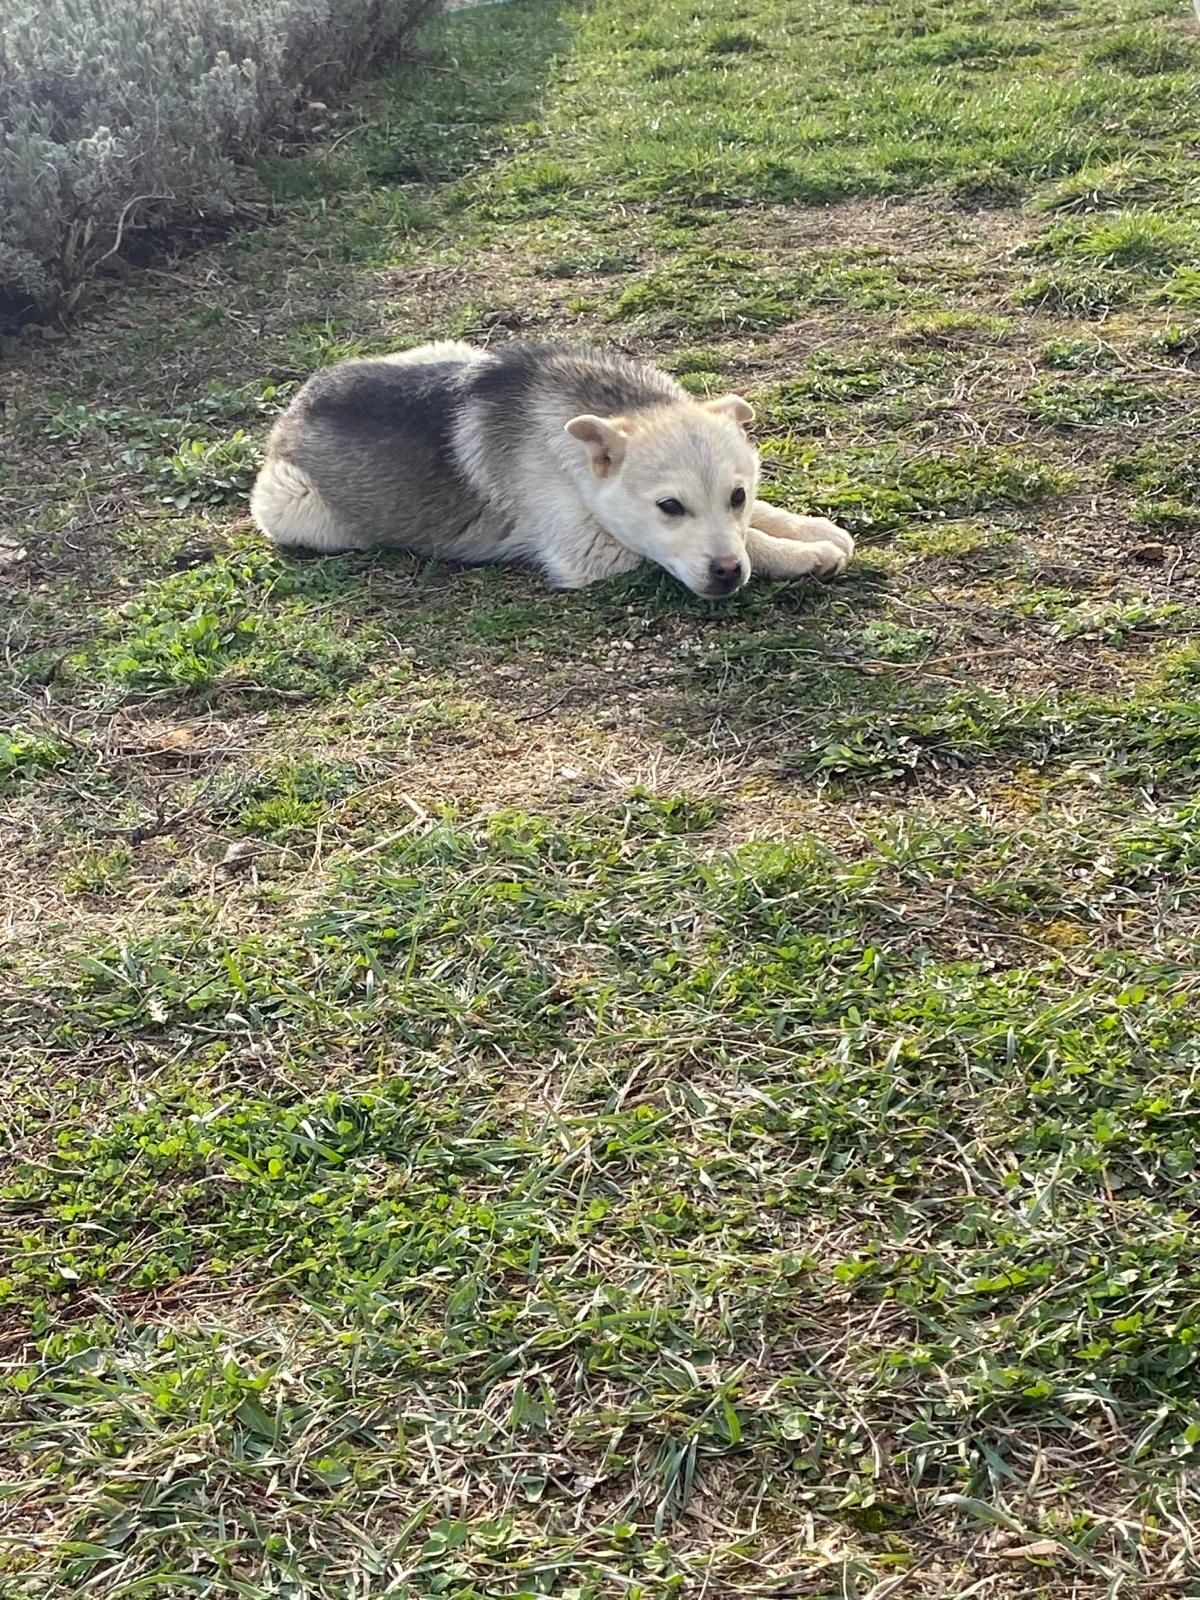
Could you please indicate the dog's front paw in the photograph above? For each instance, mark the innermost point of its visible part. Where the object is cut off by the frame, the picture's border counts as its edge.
(800, 530)
(825, 559)
(822, 531)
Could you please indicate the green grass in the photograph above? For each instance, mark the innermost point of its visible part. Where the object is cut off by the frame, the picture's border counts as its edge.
(601, 1095)
(1137, 240)
(1166, 482)
(1081, 404)
(243, 620)
(878, 491)
(25, 754)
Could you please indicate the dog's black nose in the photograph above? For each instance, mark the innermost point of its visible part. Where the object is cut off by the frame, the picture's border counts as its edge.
(725, 573)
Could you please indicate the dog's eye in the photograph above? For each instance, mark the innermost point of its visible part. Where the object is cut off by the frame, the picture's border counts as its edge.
(738, 499)
(672, 508)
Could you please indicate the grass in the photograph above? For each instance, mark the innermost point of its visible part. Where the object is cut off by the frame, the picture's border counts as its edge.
(237, 621)
(602, 1095)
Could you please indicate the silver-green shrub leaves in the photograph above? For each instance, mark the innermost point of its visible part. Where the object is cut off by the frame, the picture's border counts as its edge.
(118, 114)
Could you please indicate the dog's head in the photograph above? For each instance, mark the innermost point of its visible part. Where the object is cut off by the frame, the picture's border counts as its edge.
(676, 484)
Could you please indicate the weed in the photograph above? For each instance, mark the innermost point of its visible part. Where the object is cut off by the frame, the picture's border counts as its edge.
(977, 48)
(954, 328)
(1160, 469)
(1182, 289)
(729, 42)
(1115, 621)
(25, 755)
(1090, 402)
(1168, 514)
(240, 620)
(210, 474)
(1110, 187)
(1179, 342)
(869, 490)
(292, 799)
(1075, 355)
(1074, 294)
(891, 641)
(848, 376)
(100, 872)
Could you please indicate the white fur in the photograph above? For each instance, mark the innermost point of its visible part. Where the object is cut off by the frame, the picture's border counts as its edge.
(285, 503)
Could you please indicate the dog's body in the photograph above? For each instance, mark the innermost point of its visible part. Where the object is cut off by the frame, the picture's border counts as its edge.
(579, 462)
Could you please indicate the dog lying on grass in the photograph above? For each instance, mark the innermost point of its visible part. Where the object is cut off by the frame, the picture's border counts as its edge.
(579, 462)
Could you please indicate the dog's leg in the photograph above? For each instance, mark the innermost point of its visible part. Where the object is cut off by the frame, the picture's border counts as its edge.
(795, 558)
(806, 530)
(564, 575)
(575, 551)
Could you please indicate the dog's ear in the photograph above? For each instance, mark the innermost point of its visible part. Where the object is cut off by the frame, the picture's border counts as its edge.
(732, 405)
(604, 439)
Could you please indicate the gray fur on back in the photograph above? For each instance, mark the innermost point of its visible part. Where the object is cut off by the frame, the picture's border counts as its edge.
(437, 454)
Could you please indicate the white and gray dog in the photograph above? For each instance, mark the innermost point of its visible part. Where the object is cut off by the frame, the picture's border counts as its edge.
(579, 462)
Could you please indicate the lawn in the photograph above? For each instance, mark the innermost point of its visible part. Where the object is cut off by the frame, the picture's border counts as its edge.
(602, 1094)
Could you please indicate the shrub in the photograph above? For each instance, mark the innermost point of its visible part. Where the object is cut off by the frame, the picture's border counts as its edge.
(121, 115)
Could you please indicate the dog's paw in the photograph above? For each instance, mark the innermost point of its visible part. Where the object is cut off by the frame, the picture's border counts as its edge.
(825, 559)
(821, 531)
(801, 530)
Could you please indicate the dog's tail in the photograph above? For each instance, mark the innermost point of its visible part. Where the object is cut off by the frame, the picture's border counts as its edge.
(289, 509)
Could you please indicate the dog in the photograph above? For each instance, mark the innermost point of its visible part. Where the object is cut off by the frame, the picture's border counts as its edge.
(579, 462)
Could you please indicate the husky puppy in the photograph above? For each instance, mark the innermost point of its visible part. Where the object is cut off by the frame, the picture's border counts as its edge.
(579, 462)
